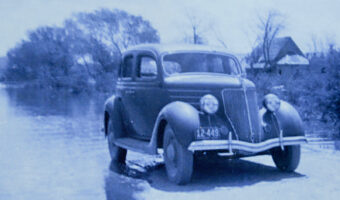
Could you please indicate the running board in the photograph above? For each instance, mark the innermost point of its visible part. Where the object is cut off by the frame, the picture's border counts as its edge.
(134, 145)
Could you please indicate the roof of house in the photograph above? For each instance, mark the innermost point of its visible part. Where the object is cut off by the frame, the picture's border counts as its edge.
(293, 60)
(279, 48)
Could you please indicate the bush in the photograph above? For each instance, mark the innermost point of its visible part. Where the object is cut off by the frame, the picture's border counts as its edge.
(85, 53)
(314, 91)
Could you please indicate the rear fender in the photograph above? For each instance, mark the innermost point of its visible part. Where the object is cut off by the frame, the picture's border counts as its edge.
(112, 112)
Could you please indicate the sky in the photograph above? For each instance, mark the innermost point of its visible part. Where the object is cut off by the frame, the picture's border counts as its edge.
(231, 21)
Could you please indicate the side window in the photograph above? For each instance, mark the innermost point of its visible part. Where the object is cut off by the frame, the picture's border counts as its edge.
(127, 66)
(147, 68)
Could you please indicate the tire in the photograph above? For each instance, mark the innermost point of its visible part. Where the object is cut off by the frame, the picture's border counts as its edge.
(178, 160)
(117, 154)
(288, 159)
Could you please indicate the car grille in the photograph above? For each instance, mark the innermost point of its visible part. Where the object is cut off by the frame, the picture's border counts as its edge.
(246, 126)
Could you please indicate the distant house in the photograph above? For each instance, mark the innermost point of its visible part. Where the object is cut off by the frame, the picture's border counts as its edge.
(284, 52)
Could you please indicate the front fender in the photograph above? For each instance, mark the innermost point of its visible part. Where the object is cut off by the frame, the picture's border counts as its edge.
(183, 119)
(286, 118)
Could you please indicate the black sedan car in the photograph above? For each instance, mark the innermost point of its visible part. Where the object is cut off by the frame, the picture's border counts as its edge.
(183, 101)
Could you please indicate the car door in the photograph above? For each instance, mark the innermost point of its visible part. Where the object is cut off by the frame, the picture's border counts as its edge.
(149, 94)
(126, 90)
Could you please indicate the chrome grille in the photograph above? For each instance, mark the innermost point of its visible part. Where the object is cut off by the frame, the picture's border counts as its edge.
(235, 106)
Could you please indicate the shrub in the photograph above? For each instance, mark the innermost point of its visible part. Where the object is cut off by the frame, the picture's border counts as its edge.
(314, 91)
(82, 54)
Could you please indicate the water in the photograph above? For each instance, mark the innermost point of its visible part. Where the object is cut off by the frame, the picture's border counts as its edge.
(52, 147)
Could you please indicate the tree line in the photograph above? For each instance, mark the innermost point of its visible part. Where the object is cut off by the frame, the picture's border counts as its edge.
(84, 52)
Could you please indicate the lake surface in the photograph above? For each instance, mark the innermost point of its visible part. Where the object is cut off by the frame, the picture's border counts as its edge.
(52, 147)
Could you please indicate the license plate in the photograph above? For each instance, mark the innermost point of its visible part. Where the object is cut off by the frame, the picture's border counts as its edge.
(208, 133)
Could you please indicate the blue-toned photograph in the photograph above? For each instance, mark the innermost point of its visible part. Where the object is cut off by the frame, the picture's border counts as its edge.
(169, 99)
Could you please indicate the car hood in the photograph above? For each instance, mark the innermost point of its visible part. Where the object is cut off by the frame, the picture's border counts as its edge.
(206, 81)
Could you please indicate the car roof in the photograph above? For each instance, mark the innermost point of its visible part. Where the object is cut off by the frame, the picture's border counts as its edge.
(167, 48)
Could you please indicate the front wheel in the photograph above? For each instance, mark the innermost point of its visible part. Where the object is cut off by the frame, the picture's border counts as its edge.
(288, 159)
(178, 160)
(117, 154)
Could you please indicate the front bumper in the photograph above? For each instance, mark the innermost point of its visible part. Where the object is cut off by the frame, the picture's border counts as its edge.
(231, 145)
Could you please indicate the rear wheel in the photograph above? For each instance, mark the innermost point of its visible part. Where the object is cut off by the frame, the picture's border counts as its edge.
(287, 159)
(117, 154)
(178, 160)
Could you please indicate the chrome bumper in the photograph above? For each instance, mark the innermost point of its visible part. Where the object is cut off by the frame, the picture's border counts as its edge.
(245, 146)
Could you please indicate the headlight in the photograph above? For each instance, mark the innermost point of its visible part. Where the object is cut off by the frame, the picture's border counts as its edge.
(209, 104)
(271, 102)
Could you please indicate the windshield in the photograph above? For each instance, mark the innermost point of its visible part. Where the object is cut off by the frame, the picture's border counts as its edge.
(199, 62)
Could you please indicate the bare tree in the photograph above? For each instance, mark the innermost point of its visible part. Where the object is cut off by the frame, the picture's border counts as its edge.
(197, 27)
(201, 28)
(216, 33)
(315, 48)
(269, 27)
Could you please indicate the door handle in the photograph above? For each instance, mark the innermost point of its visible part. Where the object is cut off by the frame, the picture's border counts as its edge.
(130, 92)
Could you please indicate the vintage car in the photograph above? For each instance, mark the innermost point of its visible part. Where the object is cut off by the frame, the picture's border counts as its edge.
(185, 101)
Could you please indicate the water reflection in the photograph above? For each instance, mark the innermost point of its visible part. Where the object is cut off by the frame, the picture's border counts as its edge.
(51, 146)
(126, 170)
(119, 186)
(52, 102)
(121, 189)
